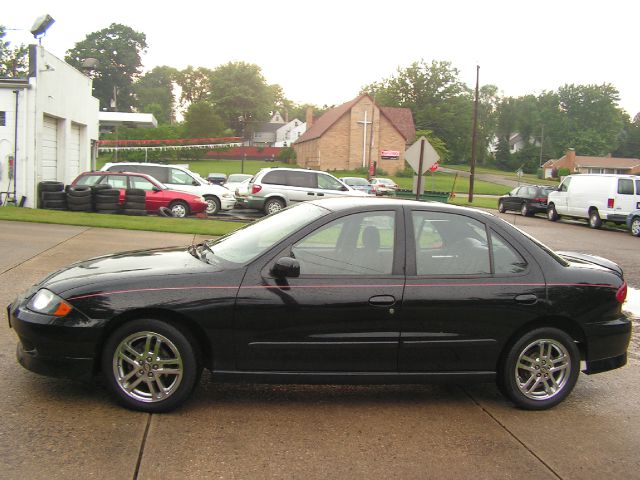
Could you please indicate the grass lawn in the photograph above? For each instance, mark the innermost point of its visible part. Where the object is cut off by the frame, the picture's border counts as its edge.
(478, 202)
(154, 224)
(526, 178)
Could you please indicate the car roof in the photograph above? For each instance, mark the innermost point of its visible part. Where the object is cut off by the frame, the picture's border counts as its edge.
(109, 173)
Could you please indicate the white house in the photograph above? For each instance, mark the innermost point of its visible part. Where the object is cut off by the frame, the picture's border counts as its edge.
(48, 126)
(289, 133)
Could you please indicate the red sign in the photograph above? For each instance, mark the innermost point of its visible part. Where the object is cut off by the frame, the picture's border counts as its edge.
(434, 167)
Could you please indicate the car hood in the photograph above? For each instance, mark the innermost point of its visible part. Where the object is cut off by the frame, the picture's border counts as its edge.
(139, 266)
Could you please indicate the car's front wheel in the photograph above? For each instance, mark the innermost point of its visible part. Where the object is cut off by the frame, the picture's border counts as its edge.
(635, 227)
(524, 210)
(540, 369)
(150, 365)
(213, 205)
(594, 219)
(552, 214)
(179, 209)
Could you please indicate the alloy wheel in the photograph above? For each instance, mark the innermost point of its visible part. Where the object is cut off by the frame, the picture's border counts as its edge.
(543, 369)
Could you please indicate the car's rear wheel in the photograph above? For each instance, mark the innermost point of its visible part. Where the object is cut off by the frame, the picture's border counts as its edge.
(501, 207)
(552, 214)
(213, 205)
(594, 219)
(179, 209)
(540, 369)
(524, 210)
(635, 227)
(273, 205)
(150, 365)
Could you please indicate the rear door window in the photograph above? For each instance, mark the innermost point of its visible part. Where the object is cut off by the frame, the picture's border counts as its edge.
(625, 186)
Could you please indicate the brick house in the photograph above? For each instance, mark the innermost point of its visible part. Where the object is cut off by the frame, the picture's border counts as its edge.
(341, 139)
(585, 164)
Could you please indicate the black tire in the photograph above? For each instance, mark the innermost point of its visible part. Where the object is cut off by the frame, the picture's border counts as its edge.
(179, 209)
(213, 205)
(99, 187)
(130, 204)
(541, 352)
(106, 206)
(594, 219)
(79, 201)
(273, 205)
(46, 196)
(164, 212)
(135, 192)
(80, 208)
(176, 344)
(50, 186)
(635, 227)
(79, 192)
(524, 210)
(107, 194)
(501, 207)
(552, 214)
(57, 204)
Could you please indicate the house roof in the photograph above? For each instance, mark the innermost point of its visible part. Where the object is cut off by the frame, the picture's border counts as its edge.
(400, 118)
(607, 162)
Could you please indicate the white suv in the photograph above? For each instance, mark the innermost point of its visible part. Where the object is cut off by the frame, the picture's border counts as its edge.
(272, 189)
(179, 178)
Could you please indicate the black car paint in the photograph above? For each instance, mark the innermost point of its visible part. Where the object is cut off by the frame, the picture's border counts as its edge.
(253, 326)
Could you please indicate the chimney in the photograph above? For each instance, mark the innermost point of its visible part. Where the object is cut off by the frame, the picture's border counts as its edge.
(570, 158)
(309, 117)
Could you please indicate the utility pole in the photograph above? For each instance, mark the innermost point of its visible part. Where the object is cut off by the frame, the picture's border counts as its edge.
(541, 144)
(474, 136)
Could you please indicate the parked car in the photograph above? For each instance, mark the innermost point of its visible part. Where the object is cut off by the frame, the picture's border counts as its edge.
(217, 178)
(358, 183)
(235, 179)
(273, 189)
(527, 199)
(595, 198)
(383, 186)
(241, 193)
(336, 290)
(178, 177)
(633, 223)
(181, 204)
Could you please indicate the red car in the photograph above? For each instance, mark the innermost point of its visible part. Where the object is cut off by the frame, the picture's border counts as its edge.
(181, 204)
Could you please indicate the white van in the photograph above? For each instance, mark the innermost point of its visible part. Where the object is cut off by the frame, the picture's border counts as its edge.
(178, 177)
(595, 197)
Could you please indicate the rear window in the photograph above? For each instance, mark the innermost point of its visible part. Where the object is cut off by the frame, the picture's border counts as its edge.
(89, 179)
(275, 178)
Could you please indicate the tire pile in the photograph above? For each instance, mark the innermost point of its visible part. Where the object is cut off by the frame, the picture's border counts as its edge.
(96, 198)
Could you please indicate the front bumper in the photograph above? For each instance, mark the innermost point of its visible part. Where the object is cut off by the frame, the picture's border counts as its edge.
(227, 203)
(55, 347)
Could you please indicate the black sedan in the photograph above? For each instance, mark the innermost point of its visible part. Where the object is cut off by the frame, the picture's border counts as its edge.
(526, 199)
(333, 291)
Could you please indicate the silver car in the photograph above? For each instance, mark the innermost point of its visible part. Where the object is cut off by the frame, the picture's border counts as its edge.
(272, 189)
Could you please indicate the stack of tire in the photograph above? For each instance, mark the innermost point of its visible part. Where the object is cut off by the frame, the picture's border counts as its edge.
(106, 199)
(79, 198)
(135, 202)
(51, 195)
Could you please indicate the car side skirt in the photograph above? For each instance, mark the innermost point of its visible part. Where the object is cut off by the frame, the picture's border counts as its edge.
(350, 378)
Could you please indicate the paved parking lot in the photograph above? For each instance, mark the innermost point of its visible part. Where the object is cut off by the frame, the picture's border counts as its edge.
(54, 428)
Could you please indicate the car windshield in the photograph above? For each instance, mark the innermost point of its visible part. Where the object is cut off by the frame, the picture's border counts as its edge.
(385, 181)
(356, 181)
(256, 238)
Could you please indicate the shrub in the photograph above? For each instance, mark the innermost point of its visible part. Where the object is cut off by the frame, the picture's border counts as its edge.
(563, 172)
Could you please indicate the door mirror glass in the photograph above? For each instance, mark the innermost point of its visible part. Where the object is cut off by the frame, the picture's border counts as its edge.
(286, 267)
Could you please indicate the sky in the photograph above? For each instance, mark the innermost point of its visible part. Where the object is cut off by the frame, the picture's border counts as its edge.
(324, 52)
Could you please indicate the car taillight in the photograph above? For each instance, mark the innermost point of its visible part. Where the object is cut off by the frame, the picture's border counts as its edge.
(621, 294)
(609, 202)
(256, 188)
(540, 200)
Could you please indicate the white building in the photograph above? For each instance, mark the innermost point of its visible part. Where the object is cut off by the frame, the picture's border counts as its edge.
(289, 133)
(48, 126)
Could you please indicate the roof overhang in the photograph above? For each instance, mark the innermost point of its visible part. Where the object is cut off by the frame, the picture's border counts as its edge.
(14, 82)
(110, 120)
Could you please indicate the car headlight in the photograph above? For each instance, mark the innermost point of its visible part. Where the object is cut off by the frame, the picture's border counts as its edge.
(47, 302)
(226, 195)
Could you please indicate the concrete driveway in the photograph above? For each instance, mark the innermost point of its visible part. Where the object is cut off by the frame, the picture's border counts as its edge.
(53, 428)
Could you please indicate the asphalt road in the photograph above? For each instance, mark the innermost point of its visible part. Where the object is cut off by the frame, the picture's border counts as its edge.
(58, 429)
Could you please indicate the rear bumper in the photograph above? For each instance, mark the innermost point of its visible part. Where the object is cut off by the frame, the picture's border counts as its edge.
(606, 345)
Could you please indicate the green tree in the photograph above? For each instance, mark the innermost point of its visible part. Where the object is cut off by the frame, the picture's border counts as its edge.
(195, 84)
(14, 61)
(239, 90)
(201, 120)
(153, 93)
(630, 139)
(117, 49)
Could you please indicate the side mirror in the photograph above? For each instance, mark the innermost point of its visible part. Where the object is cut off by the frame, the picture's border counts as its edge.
(156, 189)
(344, 189)
(195, 183)
(286, 267)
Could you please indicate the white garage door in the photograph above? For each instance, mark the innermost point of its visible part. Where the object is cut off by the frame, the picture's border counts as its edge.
(50, 149)
(73, 160)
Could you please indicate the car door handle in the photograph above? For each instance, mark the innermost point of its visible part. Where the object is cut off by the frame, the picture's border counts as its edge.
(527, 299)
(382, 301)
(310, 193)
(320, 194)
